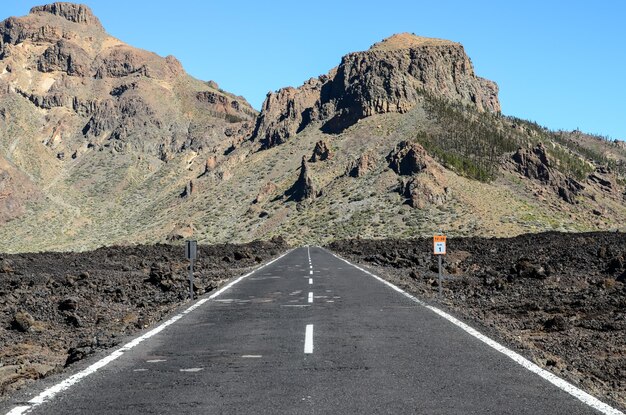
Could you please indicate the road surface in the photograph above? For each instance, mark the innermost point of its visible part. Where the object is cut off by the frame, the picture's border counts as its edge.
(310, 334)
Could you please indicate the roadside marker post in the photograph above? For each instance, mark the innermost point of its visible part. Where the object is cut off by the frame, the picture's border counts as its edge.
(191, 250)
(439, 249)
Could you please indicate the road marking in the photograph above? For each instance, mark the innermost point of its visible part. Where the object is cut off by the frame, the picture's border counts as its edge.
(308, 339)
(310, 281)
(308, 252)
(54, 390)
(310, 297)
(192, 369)
(516, 357)
(140, 370)
(311, 272)
(156, 360)
(295, 305)
(251, 356)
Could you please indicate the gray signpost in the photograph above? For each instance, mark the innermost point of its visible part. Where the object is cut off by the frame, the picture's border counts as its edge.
(191, 249)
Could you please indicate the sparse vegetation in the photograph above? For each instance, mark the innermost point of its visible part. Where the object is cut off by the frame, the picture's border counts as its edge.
(467, 141)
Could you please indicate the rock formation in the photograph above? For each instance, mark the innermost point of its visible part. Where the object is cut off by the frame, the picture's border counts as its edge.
(422, 181)
(188, 190)
(77, 13)
(407, 158)
(303, 188)
(535, 164)
(390, 77)
(361, 166)
(321, 152)
(422, 191)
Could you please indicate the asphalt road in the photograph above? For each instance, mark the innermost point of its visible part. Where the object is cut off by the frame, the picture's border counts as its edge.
(353, 346)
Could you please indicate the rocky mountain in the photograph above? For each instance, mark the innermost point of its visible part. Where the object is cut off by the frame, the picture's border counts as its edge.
(389, 77)
(102, 143)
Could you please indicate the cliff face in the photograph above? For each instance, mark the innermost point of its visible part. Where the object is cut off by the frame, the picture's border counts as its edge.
(389, 77)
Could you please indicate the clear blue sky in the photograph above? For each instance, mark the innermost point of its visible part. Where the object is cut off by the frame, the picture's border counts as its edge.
(560, 63)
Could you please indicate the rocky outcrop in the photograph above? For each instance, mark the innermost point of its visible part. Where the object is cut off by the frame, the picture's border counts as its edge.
(361, 166)
(232, 109)
(287, 111)
(423, 191)
(66, 57)
(188, 190)
(422, 181)
(407, 158)
(535, 164)
(390, 77)
(606, 181)
(303, 188)
(77, 13)
(321, 152)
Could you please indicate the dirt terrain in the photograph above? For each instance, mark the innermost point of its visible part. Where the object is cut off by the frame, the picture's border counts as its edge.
(558, 298)
(57, 308)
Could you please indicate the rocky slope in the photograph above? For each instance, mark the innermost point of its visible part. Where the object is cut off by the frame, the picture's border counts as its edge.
(107, 144)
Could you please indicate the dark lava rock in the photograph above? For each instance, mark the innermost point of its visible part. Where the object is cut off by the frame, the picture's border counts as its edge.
(239, 255)
(75, 354)
(524, 268)
(73, 320)
(615, 264)
(69, 304)
(556, 323)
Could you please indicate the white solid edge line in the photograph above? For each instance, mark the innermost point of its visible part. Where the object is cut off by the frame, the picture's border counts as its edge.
(308, 339)
(49, 393)
(310, 297)
(581, 395)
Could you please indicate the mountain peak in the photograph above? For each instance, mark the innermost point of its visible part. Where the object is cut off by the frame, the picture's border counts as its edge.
(408, 41)
(77, 13)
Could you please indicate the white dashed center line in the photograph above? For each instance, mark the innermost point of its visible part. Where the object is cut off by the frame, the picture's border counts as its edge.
(192, 369)
(308, 339)
(310, 281)
(310, 297)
